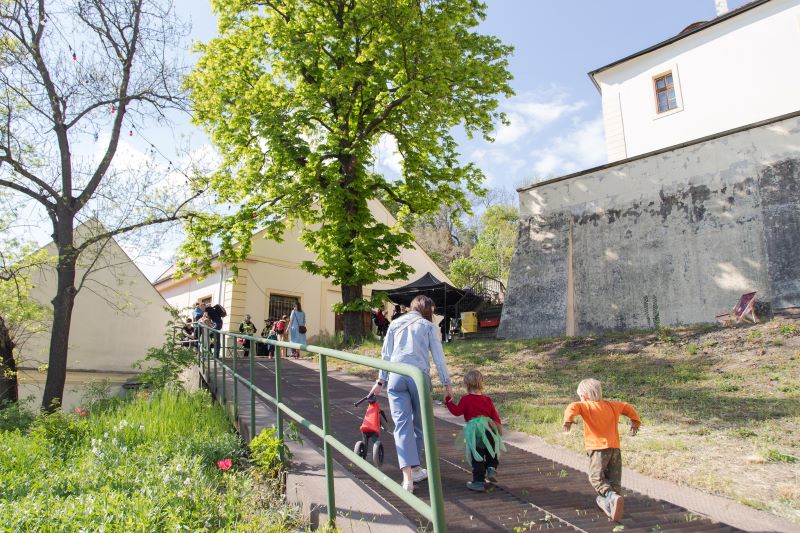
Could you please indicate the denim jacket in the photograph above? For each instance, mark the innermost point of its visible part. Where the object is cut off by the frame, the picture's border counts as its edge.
(410, 339)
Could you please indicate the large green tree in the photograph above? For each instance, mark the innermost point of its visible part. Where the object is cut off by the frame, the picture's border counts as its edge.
(296, 94)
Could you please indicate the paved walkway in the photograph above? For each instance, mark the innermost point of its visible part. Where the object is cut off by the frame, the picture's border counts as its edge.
(540, 487)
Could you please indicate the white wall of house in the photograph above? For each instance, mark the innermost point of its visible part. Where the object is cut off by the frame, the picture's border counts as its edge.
(742, 70)
(117, 314)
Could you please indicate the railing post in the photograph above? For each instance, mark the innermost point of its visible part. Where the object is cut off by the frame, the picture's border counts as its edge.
(216, 353)
(252, 394)
(235, 391)
(278, 399)
(224, 407)
(326, 427)
(431, 454)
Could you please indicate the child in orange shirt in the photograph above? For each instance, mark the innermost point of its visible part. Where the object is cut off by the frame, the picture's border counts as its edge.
(601, 437)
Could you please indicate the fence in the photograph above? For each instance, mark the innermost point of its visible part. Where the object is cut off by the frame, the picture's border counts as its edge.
(209, 356)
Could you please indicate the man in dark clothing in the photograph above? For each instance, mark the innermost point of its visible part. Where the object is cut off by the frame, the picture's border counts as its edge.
(214, 312)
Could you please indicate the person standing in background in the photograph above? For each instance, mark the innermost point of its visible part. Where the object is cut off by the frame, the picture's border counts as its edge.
(297, 328)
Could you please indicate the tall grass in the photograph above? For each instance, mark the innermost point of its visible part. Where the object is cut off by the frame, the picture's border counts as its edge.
(145, 465)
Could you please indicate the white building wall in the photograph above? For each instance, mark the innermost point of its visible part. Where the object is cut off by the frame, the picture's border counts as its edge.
(737, 72)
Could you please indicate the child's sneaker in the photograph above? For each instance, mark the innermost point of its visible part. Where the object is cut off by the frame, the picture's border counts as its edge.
(477, 486)
(603, 504)
(615, 505)
(491, 474)
(408, 486)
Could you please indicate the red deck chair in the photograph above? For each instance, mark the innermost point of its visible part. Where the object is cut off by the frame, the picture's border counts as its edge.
(744, 310)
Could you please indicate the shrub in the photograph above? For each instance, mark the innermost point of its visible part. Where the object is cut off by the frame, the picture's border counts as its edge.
(169, 360)
(265, 453)
(15, 415)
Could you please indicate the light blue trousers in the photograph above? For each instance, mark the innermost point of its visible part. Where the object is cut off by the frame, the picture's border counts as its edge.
(407, 416)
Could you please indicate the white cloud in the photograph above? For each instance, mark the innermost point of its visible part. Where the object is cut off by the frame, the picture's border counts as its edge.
(531, 112)
(579, 148)
(387, 156)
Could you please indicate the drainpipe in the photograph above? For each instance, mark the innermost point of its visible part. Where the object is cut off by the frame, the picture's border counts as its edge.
(221, 291)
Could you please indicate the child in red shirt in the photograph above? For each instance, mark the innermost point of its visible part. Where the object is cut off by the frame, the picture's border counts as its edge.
(482, 432)
(601, 437)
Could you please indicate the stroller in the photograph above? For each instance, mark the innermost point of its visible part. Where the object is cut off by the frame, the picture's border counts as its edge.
(371, 429)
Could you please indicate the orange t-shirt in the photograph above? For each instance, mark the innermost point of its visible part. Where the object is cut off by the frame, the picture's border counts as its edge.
(600, 421)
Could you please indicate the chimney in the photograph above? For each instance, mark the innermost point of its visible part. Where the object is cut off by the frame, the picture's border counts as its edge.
(722, 7)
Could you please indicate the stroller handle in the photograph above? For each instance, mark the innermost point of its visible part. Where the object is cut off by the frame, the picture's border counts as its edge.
(362, 400)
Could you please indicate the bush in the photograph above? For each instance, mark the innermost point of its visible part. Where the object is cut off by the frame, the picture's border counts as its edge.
(15, 415)
(265, 453)
(169, 360)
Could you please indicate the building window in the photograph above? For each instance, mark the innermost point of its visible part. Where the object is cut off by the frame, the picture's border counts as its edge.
(665, 93)
(281, 305)
(205, 300)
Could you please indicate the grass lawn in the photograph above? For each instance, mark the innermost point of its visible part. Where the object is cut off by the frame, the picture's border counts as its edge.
(146, 464)
(720, 407)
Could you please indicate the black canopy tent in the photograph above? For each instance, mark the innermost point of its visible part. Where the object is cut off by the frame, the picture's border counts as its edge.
(449, 301)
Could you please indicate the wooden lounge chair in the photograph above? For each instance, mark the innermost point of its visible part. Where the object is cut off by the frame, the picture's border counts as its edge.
(743, 311)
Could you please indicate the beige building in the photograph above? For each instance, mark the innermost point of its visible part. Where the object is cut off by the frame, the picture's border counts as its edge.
(117, 316)
(270, 281)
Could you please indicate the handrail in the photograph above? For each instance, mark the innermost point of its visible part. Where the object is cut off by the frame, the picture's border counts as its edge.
(433, 512)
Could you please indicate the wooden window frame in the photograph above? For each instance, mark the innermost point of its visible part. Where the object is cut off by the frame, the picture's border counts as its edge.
(668, 86)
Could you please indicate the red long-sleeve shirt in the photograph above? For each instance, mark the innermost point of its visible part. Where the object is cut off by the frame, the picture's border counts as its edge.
(473, 406)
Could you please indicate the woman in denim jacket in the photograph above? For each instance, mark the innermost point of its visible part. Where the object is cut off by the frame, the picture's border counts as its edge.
(412, 338)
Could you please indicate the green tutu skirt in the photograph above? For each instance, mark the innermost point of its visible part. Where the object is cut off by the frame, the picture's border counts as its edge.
(476, 434)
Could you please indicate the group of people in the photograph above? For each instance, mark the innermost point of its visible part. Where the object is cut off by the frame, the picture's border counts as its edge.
(412, 338)
(290, 328)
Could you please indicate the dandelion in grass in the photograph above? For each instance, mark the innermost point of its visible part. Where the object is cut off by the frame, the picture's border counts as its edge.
(224, 464)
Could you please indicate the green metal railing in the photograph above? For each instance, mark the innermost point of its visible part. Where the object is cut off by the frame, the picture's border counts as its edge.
(208, 357)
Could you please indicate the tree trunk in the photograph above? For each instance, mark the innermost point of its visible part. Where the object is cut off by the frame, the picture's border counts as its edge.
(353, 325)
(63, 303)
(8, 367)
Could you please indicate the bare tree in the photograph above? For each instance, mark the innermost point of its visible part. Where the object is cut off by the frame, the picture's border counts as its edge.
(76, 76)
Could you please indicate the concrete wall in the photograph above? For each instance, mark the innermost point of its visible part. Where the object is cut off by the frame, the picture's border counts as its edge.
(675, 237)
(737, 72)
(274, 268)
(117, 314)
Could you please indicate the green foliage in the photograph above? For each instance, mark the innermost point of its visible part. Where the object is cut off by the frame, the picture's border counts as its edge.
(788, 329)
(164, 364)
(691, 348)
(148, 464)
(15, 416)
(265, 453)
(376, 301)
(64, 431)
(754, 335)
(775, 456)
(297, 96)
(493, 250)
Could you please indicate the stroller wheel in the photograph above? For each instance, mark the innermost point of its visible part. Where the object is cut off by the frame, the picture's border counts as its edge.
(360, 449)
(377, 454)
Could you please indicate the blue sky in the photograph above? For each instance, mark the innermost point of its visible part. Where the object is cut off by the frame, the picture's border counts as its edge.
(556, 118)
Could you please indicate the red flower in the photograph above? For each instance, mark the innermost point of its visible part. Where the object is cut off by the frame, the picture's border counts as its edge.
(81, 411)
(224, 464)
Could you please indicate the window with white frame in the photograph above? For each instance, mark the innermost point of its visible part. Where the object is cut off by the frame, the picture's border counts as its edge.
(665, 93)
